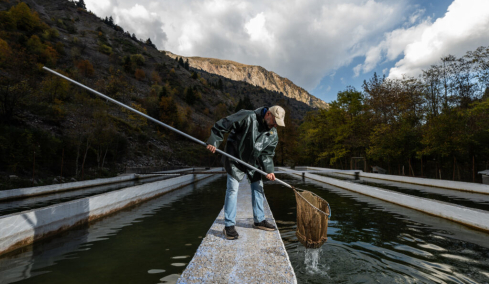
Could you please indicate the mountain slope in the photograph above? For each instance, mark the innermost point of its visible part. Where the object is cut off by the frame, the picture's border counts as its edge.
(255, 75)
(57, 128)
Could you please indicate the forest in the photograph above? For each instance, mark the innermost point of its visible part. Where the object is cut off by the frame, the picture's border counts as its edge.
(435, 126)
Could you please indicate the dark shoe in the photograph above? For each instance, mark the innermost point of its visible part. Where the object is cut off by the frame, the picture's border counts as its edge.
(230, 233)
(264, 225)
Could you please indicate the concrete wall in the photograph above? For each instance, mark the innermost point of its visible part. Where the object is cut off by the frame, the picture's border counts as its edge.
(471, 217)
(21, 229)
(39, 190)
(455, 185)
(53, 188)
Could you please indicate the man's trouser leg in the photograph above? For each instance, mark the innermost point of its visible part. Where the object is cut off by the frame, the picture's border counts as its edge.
(230, 201)
(257, 197)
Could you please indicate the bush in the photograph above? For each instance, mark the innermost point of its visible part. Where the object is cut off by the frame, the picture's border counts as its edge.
(7, 22)
(137, 59)
(105, 49)
(50, 34)
(26, 20)
(85, 67)
(5, 51)
(60, 48)
(139, 74)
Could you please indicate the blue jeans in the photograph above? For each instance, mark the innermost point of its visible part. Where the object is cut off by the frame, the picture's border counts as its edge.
(257, 197)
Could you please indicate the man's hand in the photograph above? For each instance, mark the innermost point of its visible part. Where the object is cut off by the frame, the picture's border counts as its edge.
(271, 176)
(211, 148)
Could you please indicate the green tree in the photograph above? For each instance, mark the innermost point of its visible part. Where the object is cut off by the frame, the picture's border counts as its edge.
(332, 135)
(190, 96)
(81, 4)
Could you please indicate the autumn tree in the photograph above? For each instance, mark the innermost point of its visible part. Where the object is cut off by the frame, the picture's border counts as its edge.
(85, 67)
(169, 111)
(140, 74)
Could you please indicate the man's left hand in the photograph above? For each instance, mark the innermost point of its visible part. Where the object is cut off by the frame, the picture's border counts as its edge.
(271, 176)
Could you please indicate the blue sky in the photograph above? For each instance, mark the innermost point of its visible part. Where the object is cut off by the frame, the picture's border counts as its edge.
(344, 76)
(322, 46)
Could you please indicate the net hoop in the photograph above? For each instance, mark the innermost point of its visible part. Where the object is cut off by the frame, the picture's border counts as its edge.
(312, 222)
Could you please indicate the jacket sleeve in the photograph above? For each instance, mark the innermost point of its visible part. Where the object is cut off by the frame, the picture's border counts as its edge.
(266, 157)
(225, 125)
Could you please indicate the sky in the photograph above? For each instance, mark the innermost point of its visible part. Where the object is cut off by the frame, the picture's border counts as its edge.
(323, 46)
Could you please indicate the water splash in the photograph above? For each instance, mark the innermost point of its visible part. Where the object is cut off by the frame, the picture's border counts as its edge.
(311, 259)
(312, 265)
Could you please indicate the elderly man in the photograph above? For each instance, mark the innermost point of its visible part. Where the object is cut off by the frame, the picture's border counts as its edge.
(252, 139)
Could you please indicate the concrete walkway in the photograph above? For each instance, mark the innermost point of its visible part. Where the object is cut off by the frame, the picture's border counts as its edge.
(256, 257)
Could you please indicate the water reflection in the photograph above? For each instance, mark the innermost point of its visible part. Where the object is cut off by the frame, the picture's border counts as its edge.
(132, 246)
(373, 241)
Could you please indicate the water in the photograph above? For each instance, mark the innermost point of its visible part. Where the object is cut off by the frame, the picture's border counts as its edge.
(143, 244)
(369, 241)
(372, 241)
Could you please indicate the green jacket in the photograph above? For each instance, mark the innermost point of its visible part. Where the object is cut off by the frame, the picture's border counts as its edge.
(249, 140)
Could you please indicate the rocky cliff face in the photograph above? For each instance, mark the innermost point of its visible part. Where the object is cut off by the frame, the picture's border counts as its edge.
(255, 75)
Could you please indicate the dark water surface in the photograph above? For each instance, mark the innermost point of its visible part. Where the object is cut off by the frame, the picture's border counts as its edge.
(142, 244)
(372, 241)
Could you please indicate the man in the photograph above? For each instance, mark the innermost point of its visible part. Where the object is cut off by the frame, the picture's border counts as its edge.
(252, 139)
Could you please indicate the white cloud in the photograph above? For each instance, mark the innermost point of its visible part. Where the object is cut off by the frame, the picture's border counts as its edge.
(300, 40)
(464, 27)
(145, 24)
(357, 69)
(258, 32)
(98, 6)
(133, 18)
(416, 15)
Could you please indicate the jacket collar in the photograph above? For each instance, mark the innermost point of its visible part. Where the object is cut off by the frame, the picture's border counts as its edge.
(260, 116)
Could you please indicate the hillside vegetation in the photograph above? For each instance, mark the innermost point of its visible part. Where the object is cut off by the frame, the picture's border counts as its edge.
(49, 127)
(436, 125)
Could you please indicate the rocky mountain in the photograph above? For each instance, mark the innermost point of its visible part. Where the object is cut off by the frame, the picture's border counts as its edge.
(255, 75)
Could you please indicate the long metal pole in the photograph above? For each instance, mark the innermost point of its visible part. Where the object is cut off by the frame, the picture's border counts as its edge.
(161, 123)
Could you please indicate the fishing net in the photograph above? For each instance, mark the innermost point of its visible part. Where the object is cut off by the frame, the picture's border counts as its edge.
(313, 214)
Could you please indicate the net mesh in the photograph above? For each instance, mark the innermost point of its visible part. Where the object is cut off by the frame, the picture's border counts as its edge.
(312, 219)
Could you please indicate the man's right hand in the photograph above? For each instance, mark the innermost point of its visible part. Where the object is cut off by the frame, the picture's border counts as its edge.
(211, 148)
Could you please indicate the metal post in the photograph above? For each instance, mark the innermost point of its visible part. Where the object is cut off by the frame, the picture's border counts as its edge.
(62, 159)
(33, 166)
